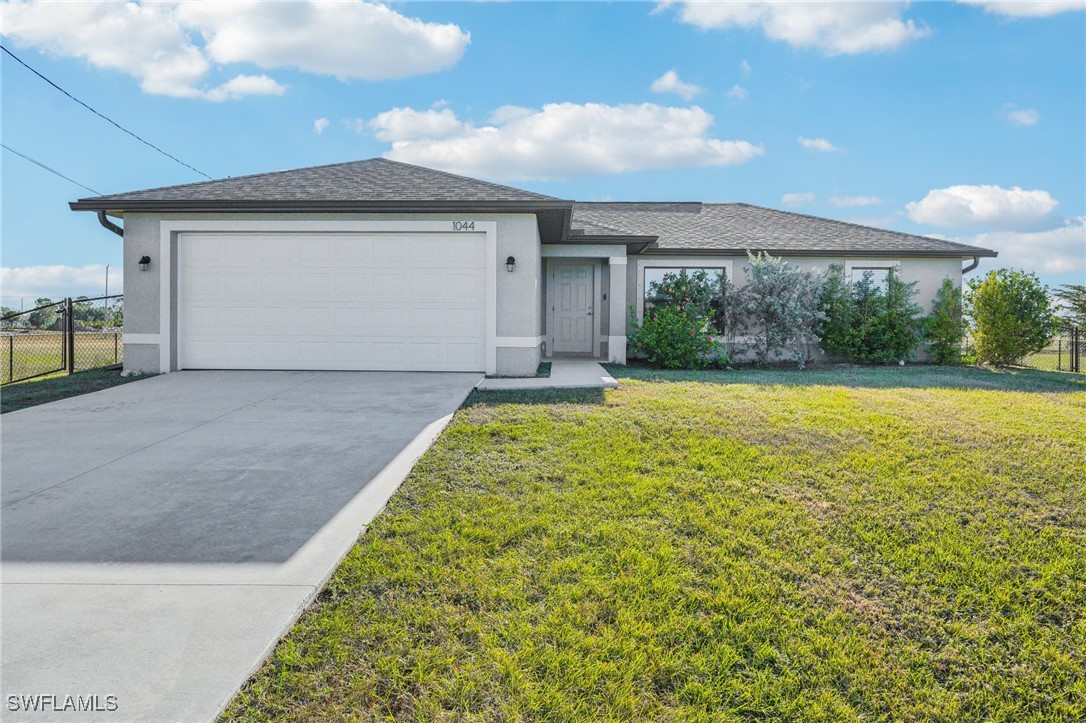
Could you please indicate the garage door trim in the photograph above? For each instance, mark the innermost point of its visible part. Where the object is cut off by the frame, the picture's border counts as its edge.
(168, 282)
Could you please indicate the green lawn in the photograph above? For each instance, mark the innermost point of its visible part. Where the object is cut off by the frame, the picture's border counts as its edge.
(21, 395)
(852, 544)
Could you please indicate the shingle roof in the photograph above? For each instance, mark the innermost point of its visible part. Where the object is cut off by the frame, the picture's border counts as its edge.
(739, 227)
(373, 181)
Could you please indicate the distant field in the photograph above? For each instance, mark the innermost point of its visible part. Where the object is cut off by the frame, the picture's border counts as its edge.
(30, 354)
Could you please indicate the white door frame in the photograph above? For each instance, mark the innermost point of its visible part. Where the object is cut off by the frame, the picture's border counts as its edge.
(169, 230)
(597, 301)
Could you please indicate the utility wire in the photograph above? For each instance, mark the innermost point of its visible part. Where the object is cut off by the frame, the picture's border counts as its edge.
(51, 170)
(103, 117)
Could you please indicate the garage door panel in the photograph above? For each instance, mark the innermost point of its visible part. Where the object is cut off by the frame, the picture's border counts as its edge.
(344, 301)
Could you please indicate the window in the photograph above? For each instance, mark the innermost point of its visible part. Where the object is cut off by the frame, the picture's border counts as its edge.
(878, 275)
(655, 276)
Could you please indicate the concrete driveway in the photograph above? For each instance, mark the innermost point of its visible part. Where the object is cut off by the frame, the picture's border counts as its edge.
(158, 537)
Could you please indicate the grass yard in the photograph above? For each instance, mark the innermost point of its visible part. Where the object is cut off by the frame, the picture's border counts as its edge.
(32, 392)
(30, 354)
(850, 544)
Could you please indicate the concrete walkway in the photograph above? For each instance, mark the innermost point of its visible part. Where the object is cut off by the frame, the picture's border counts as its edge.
(159, 537)
(565, 374)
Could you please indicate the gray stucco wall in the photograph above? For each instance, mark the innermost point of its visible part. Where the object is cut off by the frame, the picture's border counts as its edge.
(519, 293)
(927, 273)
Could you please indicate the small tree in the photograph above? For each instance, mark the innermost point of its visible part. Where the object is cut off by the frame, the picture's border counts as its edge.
(864, 322)
(902, 329)
(779, 306)
(43, 318)
(946, 325)
(1073, 297)
(1012, 316)
(835, 328)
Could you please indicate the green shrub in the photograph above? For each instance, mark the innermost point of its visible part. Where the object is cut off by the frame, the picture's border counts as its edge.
(946, 325)
(779, 307)
(673, 338)
(862, 322)
(1012, 316)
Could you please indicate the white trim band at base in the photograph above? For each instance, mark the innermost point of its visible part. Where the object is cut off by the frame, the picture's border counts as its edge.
(518, 342)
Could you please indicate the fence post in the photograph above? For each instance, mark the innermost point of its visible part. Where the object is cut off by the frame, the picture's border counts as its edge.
(114, 347)
(71, 334)
(11, 358)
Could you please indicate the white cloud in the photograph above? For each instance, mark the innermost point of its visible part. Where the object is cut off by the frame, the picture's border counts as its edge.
(744, 68)
(243, 85)
(820, 145)
(738, 92)
(797, 199)
(669, 82)
(157, 43)
(560, 140)
(853, 201)
(319, 125)
(834, 28)
(1055, 251)
(1020, 9)
(56, 282)
(965, 206)
(405, 124)
(1021, 116)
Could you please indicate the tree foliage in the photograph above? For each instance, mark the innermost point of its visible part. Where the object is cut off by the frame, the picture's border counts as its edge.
(672, 337)
(946, 326)
(778, 307)
(864, 322)
(1073, 297)
(1012, 316)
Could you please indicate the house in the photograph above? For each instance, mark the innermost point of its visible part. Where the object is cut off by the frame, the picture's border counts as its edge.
(379, 265)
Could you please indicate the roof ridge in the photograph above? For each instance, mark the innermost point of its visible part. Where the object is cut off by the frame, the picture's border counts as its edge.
(463, 178)
(850, 223)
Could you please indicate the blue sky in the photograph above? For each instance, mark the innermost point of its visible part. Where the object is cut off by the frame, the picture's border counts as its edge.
(963, 121)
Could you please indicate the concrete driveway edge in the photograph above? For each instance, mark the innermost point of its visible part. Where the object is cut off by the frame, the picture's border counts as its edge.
(356, 516)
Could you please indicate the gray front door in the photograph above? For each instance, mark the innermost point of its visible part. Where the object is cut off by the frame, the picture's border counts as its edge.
(572, 299)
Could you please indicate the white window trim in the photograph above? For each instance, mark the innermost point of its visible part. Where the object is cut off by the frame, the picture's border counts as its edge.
(869, 264)
(169, 229)
(676, 262)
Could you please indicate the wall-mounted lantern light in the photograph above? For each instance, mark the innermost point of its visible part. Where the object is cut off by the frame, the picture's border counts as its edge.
(510, 263)
(145, 262)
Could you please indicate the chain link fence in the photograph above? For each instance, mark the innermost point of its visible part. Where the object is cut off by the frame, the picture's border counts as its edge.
(1064, 354)
(62, 337)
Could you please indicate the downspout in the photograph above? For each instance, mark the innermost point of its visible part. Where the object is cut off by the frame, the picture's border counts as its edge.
(106, 223)
(966, 270)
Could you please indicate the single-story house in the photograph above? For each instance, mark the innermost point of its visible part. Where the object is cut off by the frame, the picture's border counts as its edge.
(379, 265)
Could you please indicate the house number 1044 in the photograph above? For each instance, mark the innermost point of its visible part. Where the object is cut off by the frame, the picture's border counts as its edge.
(463, 225)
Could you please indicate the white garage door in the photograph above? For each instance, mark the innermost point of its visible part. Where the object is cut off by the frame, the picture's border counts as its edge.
(405, 301)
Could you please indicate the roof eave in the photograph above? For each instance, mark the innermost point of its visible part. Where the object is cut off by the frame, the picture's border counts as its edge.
(273, 206)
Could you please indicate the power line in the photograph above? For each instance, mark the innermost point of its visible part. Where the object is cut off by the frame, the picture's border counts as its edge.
(51, 170)
(103, 117)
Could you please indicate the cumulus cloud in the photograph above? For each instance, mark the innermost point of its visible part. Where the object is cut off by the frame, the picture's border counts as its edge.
(669, 82)
(737, 92)
(405, 124)
(834, 28)
(243, 85)
(319, 125)
(820, 145)
(1020, 9)
(854, 201)
(797, 199)
(993, 206)
(1060, 250)
(559, 140)
(56, 282)
(159, 42)
(1021, 116)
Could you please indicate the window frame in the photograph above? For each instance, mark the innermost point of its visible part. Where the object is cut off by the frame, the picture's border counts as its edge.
(680, 263)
